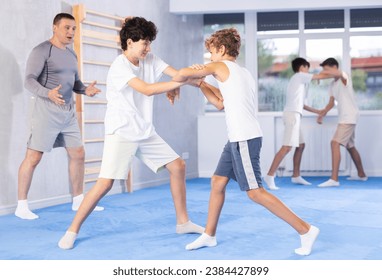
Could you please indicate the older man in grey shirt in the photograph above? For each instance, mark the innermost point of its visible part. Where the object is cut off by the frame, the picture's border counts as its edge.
(51, 77)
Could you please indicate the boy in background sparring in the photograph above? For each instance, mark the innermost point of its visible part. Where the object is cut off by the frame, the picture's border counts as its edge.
(293, 136)
(341, 90)
(240, 159)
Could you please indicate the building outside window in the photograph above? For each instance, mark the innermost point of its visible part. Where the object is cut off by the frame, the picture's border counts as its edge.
(366, 57)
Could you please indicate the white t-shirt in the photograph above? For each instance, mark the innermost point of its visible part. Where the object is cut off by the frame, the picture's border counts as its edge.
(240, 104)
(348, 111)
(129, 113)
(296, 92)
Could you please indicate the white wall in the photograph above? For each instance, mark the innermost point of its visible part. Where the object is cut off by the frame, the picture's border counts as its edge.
(26, 23)
(212, 136)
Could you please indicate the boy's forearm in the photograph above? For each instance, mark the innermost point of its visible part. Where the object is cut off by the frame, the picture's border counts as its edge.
(326, 74)
(183, 74)
(211, 96)
(215, 90)
(311, 109)
(327, 108)
(161, 87)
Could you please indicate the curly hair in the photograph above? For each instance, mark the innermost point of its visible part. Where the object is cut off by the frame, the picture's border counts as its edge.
(137, 28)
(229, 38)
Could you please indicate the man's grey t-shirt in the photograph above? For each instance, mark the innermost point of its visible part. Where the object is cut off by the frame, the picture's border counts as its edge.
(48, 67)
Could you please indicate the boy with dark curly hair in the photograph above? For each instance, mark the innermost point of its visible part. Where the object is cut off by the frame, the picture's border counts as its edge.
(132, 82)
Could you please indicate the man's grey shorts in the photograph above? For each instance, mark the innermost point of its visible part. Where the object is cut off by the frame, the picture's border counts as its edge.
(52, 125)
(240, 161)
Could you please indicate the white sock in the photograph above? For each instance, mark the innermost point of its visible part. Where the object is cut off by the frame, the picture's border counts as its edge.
(189, 227)
(77, 200)
(23, 212)
(300, 180)
(270, 181)
(307, 241)
(67, 241)
(329, 183)
(357, 178)
(202, 241)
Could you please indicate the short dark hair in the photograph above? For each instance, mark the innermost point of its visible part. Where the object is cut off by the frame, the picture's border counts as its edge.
(298, 62)
(137, 28)
(60, 16)
(329, 62)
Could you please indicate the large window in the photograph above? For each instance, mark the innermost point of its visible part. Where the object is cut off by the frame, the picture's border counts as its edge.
(366, 70)
(274, 56)
(276, 47)
(366, 57)
(353, 37)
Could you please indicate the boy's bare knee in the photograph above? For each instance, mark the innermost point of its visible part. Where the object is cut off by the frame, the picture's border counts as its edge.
(181, 165)
(350, 149)
(105, 184)
(334, 143)
(286, 149)
(256, 194)
(301, 146)
(178, 166)
(218, 183)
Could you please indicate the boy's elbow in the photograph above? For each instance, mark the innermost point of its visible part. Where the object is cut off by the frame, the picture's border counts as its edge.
(149, 92)
(219, 106)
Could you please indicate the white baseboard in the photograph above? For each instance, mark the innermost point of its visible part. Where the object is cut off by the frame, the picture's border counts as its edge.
(37, 204)
(118, 187)
(47, 202)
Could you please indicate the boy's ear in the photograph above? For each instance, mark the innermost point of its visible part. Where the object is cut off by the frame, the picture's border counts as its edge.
(222, 49)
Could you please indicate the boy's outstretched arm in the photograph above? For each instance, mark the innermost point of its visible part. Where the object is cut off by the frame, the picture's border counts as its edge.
(217, 69)
(154, 88)
(311, 109)
(327, 74)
